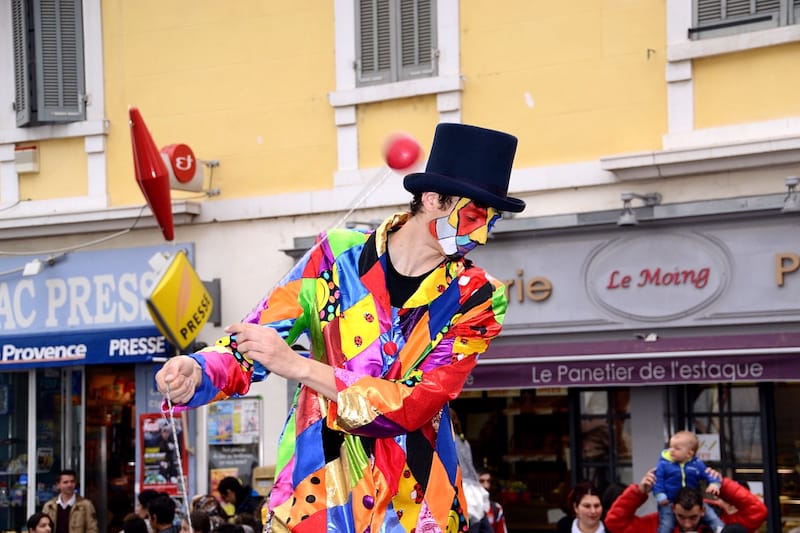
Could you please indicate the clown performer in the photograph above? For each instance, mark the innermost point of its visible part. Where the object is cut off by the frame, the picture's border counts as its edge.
(397, 319)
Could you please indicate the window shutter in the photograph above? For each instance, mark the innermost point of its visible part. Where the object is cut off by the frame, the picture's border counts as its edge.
(374, 42)
(725, 17)
(768, 6)
(417, 39)
(708, 11)
(711, 11)
(59, 60)
(22, 81)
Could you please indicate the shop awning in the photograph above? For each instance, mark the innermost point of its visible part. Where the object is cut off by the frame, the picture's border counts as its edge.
(87, 347)
(657, 361)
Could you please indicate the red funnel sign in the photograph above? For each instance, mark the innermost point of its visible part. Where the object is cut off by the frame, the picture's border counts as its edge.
(151, 174)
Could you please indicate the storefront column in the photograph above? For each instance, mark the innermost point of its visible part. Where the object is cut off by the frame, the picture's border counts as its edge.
(647, 426)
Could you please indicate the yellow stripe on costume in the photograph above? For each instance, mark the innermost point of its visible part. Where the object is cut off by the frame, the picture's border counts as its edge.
(408, 499)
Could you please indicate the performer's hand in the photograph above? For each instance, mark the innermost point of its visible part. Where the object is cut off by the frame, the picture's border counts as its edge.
(265, 345)
(649, 479)
(713, 489)
(178, 378)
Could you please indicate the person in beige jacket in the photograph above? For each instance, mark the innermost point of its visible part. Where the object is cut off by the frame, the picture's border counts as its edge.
(70, 512)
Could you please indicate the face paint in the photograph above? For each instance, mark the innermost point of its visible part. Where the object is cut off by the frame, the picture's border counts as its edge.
(467, 226)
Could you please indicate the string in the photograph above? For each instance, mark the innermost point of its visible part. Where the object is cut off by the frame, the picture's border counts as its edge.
(369, 188)
(181, 477)
(372, 185)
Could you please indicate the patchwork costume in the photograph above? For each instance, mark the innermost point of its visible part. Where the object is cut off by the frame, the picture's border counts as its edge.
(383, 456)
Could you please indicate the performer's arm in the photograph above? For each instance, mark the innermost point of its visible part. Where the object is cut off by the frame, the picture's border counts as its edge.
(224, 370)
(428, 374)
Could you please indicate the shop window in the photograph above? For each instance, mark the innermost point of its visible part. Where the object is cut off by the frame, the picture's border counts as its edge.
(787, 444)
(727, 420)
(522, 438)
(50, 430)
(13, 449)
(604, 453)
(110, 442)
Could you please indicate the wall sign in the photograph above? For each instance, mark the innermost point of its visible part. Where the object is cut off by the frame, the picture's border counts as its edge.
(654, 279)
(161, 466)
(234, 428)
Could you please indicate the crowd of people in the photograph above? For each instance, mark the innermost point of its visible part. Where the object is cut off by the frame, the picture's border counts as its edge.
(157, 512)
(691, 497)
(154, 511)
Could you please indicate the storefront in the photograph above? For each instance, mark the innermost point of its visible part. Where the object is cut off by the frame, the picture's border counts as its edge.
(77, 355)
(617, 336)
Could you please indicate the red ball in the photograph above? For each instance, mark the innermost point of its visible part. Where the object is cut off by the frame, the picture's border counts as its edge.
(401, 152)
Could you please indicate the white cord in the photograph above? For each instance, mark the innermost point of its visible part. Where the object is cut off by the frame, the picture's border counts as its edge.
(182, 482)
(369, 188)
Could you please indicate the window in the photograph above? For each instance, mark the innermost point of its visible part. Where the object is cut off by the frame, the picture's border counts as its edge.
(715, 18)
(13, 448)
(732, 414)
(395, 40)
(787, 441)
(49, 84)
(604, 444)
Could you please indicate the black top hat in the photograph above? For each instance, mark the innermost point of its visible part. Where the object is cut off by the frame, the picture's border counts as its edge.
(471, 162)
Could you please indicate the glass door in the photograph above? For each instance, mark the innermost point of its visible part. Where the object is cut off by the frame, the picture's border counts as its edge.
(110, 442)
(13, 450)
(50, 432)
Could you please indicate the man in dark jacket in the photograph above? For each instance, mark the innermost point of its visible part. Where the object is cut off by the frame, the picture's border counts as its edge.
(162, 514)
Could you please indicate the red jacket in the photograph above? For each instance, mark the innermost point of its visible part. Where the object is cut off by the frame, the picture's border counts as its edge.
(621, 518)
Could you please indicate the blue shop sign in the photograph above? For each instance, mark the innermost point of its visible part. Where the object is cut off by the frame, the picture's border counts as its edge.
(81, 308)
(126, 345)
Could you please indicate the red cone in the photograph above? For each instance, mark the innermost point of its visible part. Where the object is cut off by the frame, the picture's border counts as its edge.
(151, 174)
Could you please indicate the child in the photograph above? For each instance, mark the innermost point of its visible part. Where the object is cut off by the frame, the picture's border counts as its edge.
(678, 467)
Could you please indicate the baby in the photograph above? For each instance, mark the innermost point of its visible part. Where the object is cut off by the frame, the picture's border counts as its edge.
(678, 467)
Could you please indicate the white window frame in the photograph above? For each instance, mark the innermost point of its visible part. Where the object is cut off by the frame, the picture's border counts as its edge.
(94, 129)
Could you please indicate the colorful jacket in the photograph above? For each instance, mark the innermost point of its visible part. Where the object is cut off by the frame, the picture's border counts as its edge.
(672, 476)
(382, 458)
(621, 518)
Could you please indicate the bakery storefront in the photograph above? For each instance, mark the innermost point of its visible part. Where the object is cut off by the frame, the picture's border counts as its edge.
(77, 356)
(616, 337)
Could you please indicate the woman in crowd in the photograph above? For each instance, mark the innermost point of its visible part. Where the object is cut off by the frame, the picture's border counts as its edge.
(40, 523)
(585, 504)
